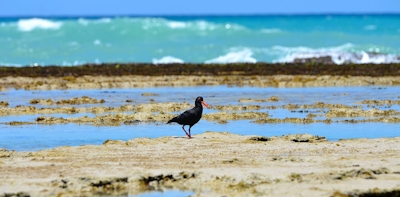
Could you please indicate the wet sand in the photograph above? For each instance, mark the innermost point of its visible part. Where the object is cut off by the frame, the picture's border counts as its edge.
(210, 164)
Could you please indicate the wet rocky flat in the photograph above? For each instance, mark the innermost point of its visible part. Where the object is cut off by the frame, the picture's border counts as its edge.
(158, 112)
(211, 163)
(270, 130)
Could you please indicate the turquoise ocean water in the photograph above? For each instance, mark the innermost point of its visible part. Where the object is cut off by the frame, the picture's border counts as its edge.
(200, 39)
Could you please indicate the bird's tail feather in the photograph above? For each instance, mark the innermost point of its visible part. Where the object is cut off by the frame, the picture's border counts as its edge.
(172, 120)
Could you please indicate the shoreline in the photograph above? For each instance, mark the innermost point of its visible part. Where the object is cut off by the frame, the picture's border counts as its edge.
(91, 76)
(245, 69)
(209, 164)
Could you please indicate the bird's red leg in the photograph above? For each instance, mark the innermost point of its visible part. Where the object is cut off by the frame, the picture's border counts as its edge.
(188, 135)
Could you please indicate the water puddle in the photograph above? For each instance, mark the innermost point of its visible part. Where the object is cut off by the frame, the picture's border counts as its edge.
(37, 137)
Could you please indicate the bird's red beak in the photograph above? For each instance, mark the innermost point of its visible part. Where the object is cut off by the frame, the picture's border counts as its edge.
(204, 103)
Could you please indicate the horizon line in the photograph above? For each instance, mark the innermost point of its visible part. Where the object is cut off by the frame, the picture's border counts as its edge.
(199, 15)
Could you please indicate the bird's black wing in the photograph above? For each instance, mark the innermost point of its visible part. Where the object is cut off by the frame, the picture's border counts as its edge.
(187, 115)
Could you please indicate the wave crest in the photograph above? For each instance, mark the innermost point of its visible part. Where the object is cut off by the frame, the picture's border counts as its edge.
(86, 22)
(235, 56)
(37, 23)
(151, 23)
(336, 55)
(167, 60)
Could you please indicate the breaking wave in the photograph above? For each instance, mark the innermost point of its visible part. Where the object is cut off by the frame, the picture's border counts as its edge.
(86, 22)
(212, 39)
(159, 23)
(234, 56)
(167, 60)
(338, 55)
(37, 23)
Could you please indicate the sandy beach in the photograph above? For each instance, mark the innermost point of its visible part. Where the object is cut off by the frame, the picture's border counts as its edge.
(210, 164)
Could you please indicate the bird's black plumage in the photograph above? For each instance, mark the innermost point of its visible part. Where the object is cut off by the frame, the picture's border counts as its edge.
(191, 116)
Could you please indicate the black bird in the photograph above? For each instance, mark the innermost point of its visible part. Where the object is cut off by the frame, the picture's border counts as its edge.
(191, 116)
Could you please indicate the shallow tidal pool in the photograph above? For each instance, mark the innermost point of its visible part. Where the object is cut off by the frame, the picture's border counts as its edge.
(33, 137)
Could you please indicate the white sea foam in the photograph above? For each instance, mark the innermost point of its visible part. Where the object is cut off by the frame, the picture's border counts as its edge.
(97, 42)
(83, 21)
(176, 24)
(308, 49)
(339, 55)
(75, 63)
(234, 56)
(167, 60)
(150, 23)
(369, 27)
(103, 20)
(86, 22)
(37, 23)
(271, 31)
(204, 25)
(378, 58)
(10, 64)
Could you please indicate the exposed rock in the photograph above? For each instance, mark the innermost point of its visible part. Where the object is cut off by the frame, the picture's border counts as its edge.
(305, 138)
(381, 102)
(110, 183)
(73, 101)
(259, 138)
(315, 60)
(271, 99)
(3, 104)
(149, 94)
(285, 120)
(236, 107)
(19, 194)
(345, 112)
(157, 181)
(224, 116)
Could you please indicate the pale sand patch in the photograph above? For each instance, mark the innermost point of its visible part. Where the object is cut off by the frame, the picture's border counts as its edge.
(210, 164)
(132, 81)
